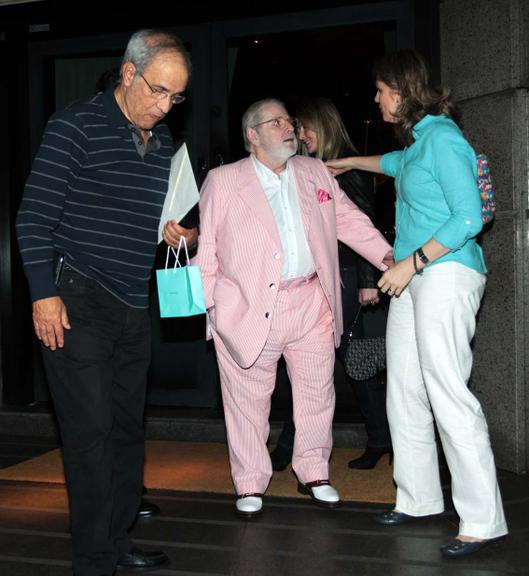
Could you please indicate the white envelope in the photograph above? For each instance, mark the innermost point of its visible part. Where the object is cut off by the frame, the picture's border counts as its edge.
(182, 193)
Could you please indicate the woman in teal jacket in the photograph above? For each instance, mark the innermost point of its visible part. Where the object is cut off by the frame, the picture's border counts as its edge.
(437, 283)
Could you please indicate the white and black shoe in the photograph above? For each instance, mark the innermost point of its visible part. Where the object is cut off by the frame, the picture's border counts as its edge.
(321, 492)
(249, 505)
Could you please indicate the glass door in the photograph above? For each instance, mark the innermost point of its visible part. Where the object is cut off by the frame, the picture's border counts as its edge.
(327, 53)
(183, 370)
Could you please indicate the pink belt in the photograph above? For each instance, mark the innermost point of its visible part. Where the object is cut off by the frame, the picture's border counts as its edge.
(296, 282)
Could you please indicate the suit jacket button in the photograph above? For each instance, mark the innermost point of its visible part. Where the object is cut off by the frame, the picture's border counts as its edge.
(277, 255)
(267, 315)
(272, 286)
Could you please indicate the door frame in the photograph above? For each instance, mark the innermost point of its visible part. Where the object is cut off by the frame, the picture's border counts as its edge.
(399, 11)
(207, 146)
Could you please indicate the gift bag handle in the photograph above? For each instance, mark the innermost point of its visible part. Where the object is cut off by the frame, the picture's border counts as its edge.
(184, 243)
(177, 254)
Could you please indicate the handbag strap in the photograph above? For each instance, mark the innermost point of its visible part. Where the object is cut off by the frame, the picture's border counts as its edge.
(355, 321)
(360, 310)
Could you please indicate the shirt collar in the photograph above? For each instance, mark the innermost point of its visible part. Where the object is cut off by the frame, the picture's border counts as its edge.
(112, 109)
(423, 123)
(143, 148)
(116, 116)
(265, 172)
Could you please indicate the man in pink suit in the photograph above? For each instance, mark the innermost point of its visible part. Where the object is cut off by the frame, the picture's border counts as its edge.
(269, 259)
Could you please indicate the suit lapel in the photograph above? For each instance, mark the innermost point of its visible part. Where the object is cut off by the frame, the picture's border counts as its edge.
(251, 191)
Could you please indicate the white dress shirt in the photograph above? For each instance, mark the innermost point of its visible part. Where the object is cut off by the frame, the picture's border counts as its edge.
(283, 198)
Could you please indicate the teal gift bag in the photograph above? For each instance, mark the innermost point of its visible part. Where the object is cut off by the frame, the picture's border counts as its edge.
(180, 289)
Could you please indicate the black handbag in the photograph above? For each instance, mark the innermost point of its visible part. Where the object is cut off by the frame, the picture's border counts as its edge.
(365, 357)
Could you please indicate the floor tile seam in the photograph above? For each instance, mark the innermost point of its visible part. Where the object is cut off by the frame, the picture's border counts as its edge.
(282, 502)
(441, 563)
(225, 499)
(287, 527)
(154, 519)
(283, 553)
(34, 509)
(28, 560)
(362, 558)
(300, 527)
(32, 532)
(240, 522)
(169, 572)
(179, 545)
(13, 441)
(31, 484)
(401, 562)
(269, 552)
(147, 541)
(290, 502)
(301, 503)
(163, 518)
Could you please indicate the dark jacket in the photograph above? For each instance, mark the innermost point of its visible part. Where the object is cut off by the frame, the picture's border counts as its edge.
(360, 188)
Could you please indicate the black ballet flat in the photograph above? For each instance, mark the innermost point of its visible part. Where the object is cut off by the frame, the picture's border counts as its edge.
(393, 518)
(457, 548)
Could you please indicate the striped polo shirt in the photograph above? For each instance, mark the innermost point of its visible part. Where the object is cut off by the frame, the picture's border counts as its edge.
(96, 197)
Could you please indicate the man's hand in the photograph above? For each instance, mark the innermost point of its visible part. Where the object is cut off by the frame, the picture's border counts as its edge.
(388, 259)
(50, 319)
(172, 232)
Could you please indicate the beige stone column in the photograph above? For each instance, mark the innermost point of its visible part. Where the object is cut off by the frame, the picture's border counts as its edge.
(484, 60)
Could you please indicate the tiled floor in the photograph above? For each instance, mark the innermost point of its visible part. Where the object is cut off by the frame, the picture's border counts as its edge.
(204, 537)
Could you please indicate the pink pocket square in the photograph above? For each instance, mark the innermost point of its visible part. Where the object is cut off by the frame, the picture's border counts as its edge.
(323, 196)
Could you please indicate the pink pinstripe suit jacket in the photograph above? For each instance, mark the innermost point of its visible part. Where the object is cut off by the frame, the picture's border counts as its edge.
(240, 252)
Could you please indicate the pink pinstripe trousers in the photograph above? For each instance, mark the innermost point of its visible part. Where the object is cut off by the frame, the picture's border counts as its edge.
(301, 331)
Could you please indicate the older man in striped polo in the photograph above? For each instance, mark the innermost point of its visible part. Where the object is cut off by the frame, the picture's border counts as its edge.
(87, 230)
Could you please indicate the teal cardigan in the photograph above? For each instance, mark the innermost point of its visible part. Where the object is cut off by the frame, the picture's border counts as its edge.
(437, 193)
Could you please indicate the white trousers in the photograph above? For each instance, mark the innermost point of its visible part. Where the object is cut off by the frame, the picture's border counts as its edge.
(429, 360)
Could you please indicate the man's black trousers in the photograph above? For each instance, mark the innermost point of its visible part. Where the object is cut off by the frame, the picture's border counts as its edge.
(97, 382)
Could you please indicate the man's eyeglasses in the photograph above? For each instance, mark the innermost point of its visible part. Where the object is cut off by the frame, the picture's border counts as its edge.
(161, 94)
(280, 122)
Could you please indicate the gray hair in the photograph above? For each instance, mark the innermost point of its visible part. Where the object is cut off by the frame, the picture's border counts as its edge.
(252, 116)
(145, 44)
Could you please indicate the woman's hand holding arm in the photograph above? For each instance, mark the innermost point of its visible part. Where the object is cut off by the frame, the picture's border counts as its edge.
(341, 165)
(398, 276)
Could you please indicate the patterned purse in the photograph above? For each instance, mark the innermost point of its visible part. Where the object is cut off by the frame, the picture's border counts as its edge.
(486, 191)
(364, 357)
